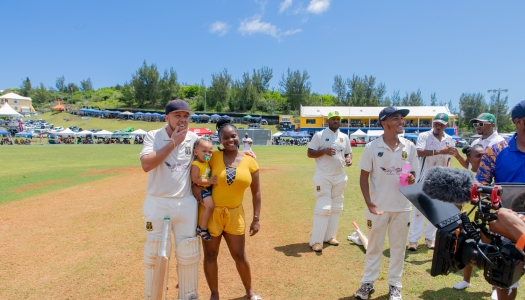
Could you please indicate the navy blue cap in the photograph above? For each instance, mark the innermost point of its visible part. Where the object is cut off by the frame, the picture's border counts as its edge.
(518, 111)
(390, 110)
(178, 105)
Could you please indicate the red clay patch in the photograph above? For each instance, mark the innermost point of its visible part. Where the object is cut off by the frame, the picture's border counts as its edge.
(111, 171)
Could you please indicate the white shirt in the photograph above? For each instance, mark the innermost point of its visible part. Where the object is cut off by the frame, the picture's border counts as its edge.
(491, 140)
(427, 141)
(170, 179)
(385, 167)
(246, 141)
(327, 165)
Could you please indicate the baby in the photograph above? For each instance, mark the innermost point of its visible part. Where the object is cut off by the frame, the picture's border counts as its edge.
(200, 175)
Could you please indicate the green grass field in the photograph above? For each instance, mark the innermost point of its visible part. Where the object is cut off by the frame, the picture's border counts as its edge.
(287, 208)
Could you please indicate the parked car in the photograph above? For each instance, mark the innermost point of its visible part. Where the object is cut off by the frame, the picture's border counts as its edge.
(59, 128)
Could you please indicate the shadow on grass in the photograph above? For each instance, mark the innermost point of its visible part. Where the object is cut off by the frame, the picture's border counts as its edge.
(295, 250)
(451, 293)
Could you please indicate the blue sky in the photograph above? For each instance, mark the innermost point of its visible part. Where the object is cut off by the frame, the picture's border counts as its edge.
(446, 47)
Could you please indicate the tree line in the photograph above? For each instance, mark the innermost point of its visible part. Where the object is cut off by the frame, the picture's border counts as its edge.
(148, 89)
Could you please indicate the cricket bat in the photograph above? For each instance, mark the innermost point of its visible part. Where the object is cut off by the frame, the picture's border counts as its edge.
(160, 274)
(361, 235)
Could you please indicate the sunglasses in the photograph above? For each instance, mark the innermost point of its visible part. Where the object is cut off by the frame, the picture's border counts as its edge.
(479, 124)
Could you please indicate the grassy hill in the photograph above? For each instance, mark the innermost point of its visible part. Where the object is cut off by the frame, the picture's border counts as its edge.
(66, 120)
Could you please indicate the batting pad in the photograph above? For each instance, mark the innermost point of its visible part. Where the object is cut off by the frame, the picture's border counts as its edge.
(333, 221)
(151, 250)
(188, 256)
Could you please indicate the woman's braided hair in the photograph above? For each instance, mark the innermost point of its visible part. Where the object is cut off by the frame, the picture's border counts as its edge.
(467, 149)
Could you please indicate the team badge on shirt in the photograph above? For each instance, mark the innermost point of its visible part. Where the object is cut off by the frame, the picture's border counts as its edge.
(318, 188)
(380, 154)
(404, 155)
(369, 224)
(341, 140)
(187, 151)
(149, 226)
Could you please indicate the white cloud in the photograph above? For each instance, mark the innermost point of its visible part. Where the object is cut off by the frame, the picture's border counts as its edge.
(318, 6)
(219, 27)
(254, 25)
(284, 5)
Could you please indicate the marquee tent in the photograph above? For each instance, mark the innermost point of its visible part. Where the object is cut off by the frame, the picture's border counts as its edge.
(201, 131)
(24, 134)
(277, 134)
(3, 132)
(138, 132)
(295, 134)
(358, 133)
(7, 111)
(102, 133)
(66, 132)
(85, 133)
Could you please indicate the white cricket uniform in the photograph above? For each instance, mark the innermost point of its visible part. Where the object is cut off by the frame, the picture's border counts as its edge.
(427, 141)
(385, 166)
(168, 194)
(329, 184)
(246, 144)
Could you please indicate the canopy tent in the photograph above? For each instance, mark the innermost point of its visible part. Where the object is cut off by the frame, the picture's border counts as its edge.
(102, 133)
(59, 107)
(127, 113)
(358, 133)
(247, 117)
(194, 116)
(277, 134)
(3, 132)
(411, 136)
(225, 117)
(215, 117)
(7, 111)
(455, 137)
(14, 96)
(138, 132)
(201, 131)
(374, 133)
(85, 133)
(66, 132)
(129, 129)
(120, 134)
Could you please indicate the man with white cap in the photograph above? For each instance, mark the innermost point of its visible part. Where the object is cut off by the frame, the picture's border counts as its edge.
(332, 152)
(166, 156)
(434, 148)
(247, 143)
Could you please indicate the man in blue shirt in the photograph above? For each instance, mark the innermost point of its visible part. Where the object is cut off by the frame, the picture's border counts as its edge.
(505, 162)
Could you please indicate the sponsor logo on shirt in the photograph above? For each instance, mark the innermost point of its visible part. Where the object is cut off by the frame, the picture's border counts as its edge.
(380, 154)
(176, 167)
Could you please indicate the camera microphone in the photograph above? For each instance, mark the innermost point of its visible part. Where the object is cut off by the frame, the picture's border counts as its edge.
(449, 185)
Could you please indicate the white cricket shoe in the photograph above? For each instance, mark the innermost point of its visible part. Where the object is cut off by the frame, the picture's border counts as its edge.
(365, 291)
(462, 285)
(395, 293)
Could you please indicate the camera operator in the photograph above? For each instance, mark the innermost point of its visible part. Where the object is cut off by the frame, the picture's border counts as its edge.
(505, 162)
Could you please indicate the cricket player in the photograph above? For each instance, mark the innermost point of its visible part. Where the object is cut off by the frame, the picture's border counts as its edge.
(434, 148)
(332, 152)
(387, 208)
(166, 156)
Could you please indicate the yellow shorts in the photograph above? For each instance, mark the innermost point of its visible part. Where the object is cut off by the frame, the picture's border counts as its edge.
(223, 219)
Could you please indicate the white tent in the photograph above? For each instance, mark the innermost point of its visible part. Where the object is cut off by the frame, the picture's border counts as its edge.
(138, 132)
(359, 132)
(14, 96)
(66, 132)
(85, 133)
(7, 111)
(278, 133)
(102, 133)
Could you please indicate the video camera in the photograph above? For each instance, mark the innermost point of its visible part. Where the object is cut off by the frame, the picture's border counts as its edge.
(458, 242)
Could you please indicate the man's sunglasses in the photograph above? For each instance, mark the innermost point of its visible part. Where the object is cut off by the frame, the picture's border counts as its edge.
(479, 124)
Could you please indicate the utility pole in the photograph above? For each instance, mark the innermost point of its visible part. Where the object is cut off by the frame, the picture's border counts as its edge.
(498, 91)
(204, 99)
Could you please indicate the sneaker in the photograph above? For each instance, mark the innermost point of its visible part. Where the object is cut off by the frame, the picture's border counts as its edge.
(365, 291)
(395, 293)
(429, 243)
(462, 285)
(317, 247)
(412, 246)
(333, 242)
(354, 237)
(494, 294)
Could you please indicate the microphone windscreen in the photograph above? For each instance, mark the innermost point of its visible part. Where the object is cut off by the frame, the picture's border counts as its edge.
(449, 185)
(518, 203)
